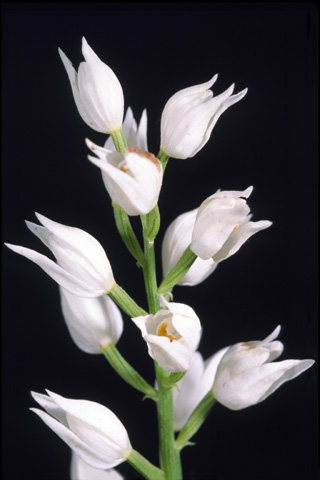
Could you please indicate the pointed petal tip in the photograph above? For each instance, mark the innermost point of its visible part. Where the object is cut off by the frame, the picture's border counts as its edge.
(89, 143)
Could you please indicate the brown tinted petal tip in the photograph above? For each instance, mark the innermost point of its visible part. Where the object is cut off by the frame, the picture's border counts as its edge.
(145, 154)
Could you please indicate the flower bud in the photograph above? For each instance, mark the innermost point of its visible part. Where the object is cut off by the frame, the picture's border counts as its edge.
(189, 117)
(83, 267)
(133, 181)
(172, 336)
(93, 323)
(96, 90)
(91, 430)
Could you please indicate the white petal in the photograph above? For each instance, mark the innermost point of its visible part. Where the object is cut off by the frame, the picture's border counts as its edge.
(80, 254)
(186, 396)
(97, 425)
(92, 322)
(81, 470)
(51, 407)
(62, 277)
(82, 108)
(215, 221)
(101, 89)
(86, 452)
(255, 385)
(142, 132)
(238, 237)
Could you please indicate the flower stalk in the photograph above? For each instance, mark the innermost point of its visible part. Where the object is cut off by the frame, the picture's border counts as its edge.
(119, 141)
(195, 420)
(127, 234)
(144, 467)
(127, 372)
(125, 302)
(178, 271)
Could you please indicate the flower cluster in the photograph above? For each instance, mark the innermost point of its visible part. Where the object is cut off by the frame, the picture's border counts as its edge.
(186, 387)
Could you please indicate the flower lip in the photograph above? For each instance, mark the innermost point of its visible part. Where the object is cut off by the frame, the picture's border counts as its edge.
(172, 336)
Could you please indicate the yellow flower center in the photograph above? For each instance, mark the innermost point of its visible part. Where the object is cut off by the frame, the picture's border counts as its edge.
(162, 331)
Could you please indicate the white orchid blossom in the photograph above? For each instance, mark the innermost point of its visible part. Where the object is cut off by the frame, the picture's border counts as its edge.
(97, 91)
(172, 335)
(91, 430)
(93, 323)
(222, 225)
(133, 180)
(245, 375)
(82, 266)
(189, 117)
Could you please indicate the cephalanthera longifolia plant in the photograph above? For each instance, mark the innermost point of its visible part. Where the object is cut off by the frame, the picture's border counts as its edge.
(186, 387)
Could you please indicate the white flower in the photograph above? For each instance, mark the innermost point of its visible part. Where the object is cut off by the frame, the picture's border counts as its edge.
(81, 470)
(91, 430)
(195, 384)
(176, 239)
(83, 267)
(172, 336)
(96, 90)
(246, 377)
(93, 323)
(136, 136)
(133, 180)
(189, 117)
(223, 224)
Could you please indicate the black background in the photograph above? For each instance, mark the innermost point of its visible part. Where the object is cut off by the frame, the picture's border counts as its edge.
(267, 140)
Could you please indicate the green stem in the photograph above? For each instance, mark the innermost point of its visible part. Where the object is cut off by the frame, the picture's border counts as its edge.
(179, 270)
(127, 372)
(149, 269)
(125, 302)
(169, 453)
(195, 420)
(127, 234)
(163, 157)
(119, 141)
(144, 467)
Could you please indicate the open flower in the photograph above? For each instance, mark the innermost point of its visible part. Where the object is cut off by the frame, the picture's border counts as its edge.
(93, 323)
(172, 336)
(83, 267)
(176, 239)
(223, 224)
(246, 377)
(189, 117)
(91, 430)
(96, 90)
(80, 470)
(133, 180)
